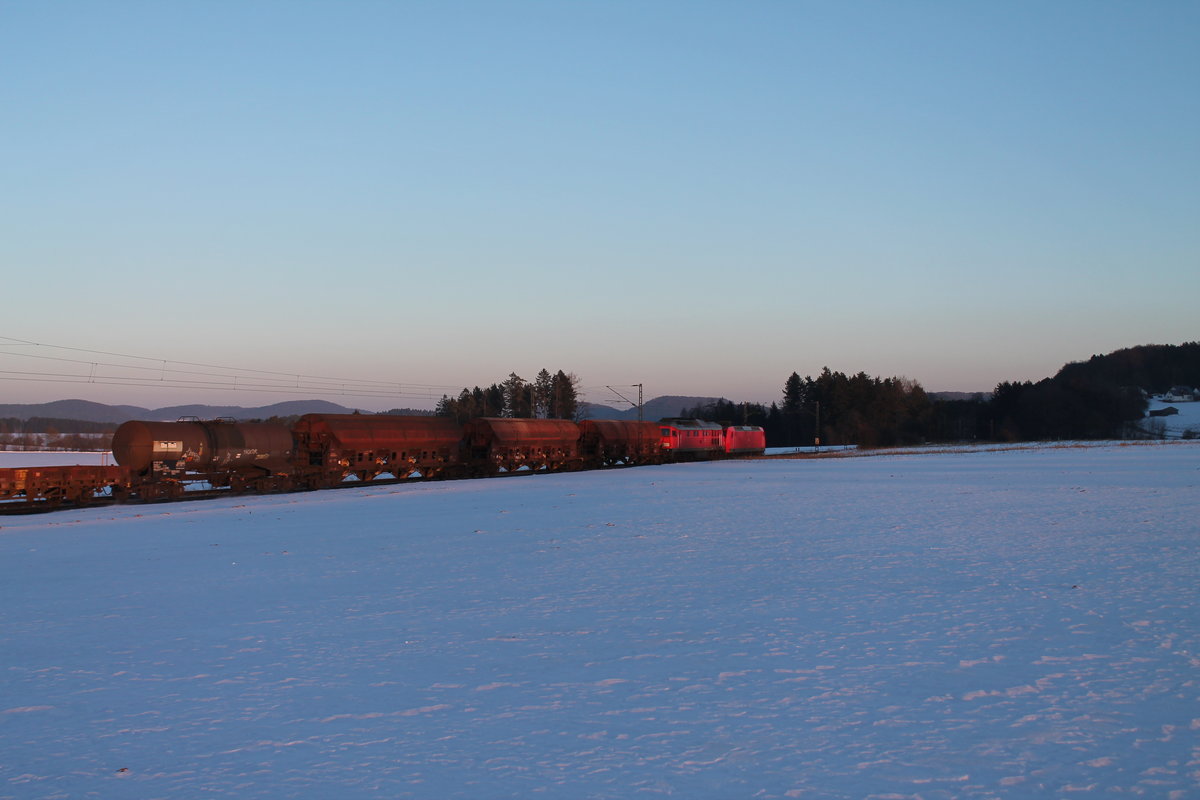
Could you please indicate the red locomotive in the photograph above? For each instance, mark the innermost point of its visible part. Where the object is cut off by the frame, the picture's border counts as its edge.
(692, 439)
(745, 440)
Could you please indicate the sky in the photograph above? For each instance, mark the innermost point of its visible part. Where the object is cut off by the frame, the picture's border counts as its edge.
(700, 197)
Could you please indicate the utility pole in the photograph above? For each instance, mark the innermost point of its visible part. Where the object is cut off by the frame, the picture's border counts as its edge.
(627, 400)
(817, 437)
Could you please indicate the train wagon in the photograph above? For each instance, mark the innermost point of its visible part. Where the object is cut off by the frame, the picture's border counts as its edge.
(332, 447)
(691, 439)
(496, 444)
(192, 457)
(53, 486)
(745, 440)
(605, 442)
(164, 456)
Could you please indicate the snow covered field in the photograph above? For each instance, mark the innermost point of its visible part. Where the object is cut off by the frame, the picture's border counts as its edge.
(1011, 624)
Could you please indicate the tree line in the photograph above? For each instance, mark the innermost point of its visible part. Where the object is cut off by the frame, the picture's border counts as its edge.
(53, 425)
(1094, 399)
(547, 396)
(73, 442)
(833, 409)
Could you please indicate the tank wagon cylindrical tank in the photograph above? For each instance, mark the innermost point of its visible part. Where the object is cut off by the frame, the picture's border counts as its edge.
(614, 441)
(240, 455)
(496, 444)
(160, 448)
(745, 440)
(332, 447)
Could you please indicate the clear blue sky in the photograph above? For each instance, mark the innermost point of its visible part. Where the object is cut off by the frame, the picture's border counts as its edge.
(698, 196)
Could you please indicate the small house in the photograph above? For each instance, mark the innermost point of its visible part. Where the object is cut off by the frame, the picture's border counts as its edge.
(1180, 394)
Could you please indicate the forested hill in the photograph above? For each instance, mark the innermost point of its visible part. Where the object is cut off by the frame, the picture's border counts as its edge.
(1153, 367)
(1092, 399)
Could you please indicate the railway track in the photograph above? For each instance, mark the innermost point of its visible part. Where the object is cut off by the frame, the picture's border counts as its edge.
(21, 507)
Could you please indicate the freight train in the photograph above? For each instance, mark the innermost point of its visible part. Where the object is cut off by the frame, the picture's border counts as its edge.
(193, 457)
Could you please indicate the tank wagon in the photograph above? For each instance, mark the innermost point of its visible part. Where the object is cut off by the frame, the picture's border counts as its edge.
(163, 456)
(166, 460)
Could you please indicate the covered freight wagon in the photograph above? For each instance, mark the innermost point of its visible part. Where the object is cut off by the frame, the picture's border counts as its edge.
(332, 447)
(511, 444)
(614, 441)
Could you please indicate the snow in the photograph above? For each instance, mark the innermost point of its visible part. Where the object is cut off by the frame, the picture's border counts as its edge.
(1004, 624)
(1176, 425)
(16, 458)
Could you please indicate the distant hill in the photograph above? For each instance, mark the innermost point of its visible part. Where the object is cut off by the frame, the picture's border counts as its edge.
(597, 411)
(88, 411)
(285, 409)
(73, 409)
(656, 409)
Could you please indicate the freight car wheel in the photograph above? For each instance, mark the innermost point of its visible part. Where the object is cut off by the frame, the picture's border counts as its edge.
(273, 485)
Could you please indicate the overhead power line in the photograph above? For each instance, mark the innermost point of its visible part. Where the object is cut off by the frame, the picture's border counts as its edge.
(122, 369)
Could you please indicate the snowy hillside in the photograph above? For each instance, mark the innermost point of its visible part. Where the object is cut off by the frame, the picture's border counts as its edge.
(1013, 624)
(1177, 425)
